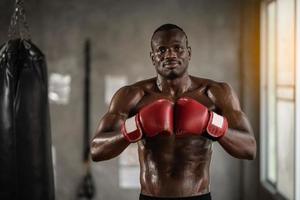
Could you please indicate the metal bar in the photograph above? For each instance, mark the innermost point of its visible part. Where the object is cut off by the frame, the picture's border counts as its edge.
(86, 133)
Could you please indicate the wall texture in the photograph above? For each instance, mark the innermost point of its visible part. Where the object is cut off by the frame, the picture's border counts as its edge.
(120, 33)
(250, 84)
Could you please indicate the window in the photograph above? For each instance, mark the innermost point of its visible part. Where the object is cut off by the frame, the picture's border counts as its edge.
(297, 140)
(278, 97)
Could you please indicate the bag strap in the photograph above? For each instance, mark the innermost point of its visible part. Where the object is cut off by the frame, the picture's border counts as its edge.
(18, 25)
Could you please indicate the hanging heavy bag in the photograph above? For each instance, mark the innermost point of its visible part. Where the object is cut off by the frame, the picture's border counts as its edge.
(8, 80)
(29, 115)
(34, 161)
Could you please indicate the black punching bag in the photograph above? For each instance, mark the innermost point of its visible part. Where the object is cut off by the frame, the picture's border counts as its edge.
(25, 142)
(33, 139)
(8, 80)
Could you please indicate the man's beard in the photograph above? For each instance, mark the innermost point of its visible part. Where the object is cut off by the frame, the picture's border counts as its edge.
(172, 74)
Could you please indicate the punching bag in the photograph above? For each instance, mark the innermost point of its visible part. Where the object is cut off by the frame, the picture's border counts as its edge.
(25, 121)
(8, 165)
(33, 139)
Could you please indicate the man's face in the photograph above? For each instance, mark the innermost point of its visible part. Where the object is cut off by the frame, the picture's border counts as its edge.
(170, 54)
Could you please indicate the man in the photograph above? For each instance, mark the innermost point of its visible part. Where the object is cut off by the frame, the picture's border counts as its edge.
(174, 118)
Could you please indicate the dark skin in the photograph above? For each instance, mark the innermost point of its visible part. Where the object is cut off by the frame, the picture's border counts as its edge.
(174, 166)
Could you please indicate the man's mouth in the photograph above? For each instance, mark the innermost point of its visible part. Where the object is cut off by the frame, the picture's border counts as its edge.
(171, 64)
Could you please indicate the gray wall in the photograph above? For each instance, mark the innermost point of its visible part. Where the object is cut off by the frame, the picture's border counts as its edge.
(120, 32)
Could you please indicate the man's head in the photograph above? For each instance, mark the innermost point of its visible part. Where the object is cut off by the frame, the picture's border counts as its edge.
(170, 51)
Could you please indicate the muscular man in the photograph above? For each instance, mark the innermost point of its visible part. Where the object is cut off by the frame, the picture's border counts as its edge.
(174, 118)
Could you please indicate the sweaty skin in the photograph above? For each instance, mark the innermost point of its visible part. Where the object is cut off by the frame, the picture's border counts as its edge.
(174, 166)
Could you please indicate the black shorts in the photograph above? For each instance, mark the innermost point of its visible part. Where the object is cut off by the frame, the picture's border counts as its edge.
(200, 197)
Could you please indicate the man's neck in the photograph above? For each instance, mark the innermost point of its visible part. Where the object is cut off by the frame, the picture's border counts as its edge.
(174, 87)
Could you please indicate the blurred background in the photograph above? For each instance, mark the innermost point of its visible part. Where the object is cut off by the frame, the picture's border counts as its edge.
(250, 44)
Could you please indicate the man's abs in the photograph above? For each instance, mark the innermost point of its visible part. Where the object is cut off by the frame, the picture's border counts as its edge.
(174, 167)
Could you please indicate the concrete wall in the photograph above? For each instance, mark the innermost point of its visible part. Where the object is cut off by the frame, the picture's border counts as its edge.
(120, 33)
(250, 83)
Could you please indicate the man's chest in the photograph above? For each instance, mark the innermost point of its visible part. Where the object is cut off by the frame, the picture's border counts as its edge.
(152, 96)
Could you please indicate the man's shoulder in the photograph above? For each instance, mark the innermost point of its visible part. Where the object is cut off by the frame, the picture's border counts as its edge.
(127, 97)
(209, 82)
(144, 84)
(136, 89)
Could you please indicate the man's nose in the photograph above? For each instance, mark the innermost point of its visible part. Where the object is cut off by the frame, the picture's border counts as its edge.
(170, 53)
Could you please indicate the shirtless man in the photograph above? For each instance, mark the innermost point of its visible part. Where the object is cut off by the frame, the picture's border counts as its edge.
(174, 118)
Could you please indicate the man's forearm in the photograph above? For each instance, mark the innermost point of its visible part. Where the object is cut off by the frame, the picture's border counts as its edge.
(239, 144)
(107, 145)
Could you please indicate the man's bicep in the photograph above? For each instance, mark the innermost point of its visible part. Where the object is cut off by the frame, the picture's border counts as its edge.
(231, 98)
(110, 122)
(237, 119)
(123, 101)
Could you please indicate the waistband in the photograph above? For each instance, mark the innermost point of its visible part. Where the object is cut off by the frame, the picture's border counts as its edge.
(198, 197)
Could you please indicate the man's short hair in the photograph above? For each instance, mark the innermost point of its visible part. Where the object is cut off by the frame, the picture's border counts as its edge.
(168, 27)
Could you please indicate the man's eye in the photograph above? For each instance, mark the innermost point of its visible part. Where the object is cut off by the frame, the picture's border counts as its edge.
(178, 48)
(162, 49)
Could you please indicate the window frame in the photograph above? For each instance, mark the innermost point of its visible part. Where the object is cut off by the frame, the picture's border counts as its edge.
(297, 101)
(269, 186)
(267, 189)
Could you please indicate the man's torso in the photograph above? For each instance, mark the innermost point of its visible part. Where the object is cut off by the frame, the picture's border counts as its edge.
(170, 165)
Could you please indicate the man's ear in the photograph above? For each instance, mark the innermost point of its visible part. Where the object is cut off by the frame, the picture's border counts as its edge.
(190, 52)
(152, 57)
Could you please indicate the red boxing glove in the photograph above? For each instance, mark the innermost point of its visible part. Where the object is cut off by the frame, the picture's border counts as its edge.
(155, 118)
(191, 117)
